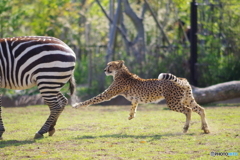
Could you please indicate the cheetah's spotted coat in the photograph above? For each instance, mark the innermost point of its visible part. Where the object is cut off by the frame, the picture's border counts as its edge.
(176, 91)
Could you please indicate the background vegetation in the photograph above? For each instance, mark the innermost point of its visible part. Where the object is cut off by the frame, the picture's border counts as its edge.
(85, 28)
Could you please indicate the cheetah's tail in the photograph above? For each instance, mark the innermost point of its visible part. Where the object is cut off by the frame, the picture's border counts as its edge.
(178, 81)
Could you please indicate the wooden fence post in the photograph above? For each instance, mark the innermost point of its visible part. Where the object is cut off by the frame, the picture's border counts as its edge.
(193, 46)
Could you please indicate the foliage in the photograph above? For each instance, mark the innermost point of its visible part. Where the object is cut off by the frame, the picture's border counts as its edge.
(105, 133)
(219, 47)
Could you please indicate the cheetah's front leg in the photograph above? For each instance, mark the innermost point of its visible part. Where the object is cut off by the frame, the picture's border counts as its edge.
(95, 100)
(133, 111)
(112, 91)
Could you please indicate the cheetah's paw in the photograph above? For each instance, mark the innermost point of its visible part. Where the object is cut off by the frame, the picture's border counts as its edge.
(77, 105)
(130, 117)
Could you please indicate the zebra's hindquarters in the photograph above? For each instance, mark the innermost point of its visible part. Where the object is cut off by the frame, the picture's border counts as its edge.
(43, 61)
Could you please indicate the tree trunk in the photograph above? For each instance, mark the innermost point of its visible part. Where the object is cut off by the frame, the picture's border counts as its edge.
(137, 47)
(218, 92)
(88, 40)
(113, 33)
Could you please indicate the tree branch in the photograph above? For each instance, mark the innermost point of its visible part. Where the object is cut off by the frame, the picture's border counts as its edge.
(110, 20)
(144, 8)
(158, 24)
(131, 14)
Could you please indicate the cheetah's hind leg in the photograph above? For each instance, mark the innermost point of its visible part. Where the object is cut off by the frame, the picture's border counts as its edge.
(188, 112)
(179, 107)
(201, 112)
(190, 101)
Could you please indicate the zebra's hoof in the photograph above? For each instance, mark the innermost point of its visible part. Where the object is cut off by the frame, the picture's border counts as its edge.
(38, 136)
(50, 133)
(1, 138)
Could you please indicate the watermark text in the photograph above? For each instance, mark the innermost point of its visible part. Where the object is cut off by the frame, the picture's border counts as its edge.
(224, 153)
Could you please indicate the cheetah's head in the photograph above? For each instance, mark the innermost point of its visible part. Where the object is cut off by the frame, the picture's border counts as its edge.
(113, 67)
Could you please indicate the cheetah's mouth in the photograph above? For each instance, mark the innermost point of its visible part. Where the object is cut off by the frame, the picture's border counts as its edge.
(107, 71)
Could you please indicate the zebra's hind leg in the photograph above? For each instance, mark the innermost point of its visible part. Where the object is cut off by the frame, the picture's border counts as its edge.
(62, 100)
(55, 111)
(2, 129)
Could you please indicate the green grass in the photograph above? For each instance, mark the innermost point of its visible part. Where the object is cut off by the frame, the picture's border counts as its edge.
(105, 133)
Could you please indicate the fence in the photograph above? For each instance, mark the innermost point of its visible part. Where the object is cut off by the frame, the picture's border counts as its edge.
(212, 57)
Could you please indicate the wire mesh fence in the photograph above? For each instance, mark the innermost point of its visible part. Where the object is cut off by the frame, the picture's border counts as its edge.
(218, 48)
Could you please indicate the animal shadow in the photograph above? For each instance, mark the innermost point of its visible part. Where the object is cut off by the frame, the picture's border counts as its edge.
(119, 135)
(6, 143)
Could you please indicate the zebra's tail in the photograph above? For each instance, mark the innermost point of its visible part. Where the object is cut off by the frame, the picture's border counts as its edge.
(72, 85)
(182, 82)
(72, 88)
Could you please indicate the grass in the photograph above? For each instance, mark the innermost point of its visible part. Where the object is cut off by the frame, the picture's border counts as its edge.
(105, 133)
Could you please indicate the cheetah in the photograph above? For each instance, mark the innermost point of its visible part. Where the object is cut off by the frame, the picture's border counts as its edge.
(176, 91)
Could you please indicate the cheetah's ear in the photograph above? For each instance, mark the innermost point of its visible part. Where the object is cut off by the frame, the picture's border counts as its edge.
(120, 63)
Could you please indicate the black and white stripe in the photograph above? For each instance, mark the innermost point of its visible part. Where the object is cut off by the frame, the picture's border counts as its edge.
(45, 62)
(182, 82)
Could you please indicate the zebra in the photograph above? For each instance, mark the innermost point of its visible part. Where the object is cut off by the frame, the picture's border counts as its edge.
(45, 62)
